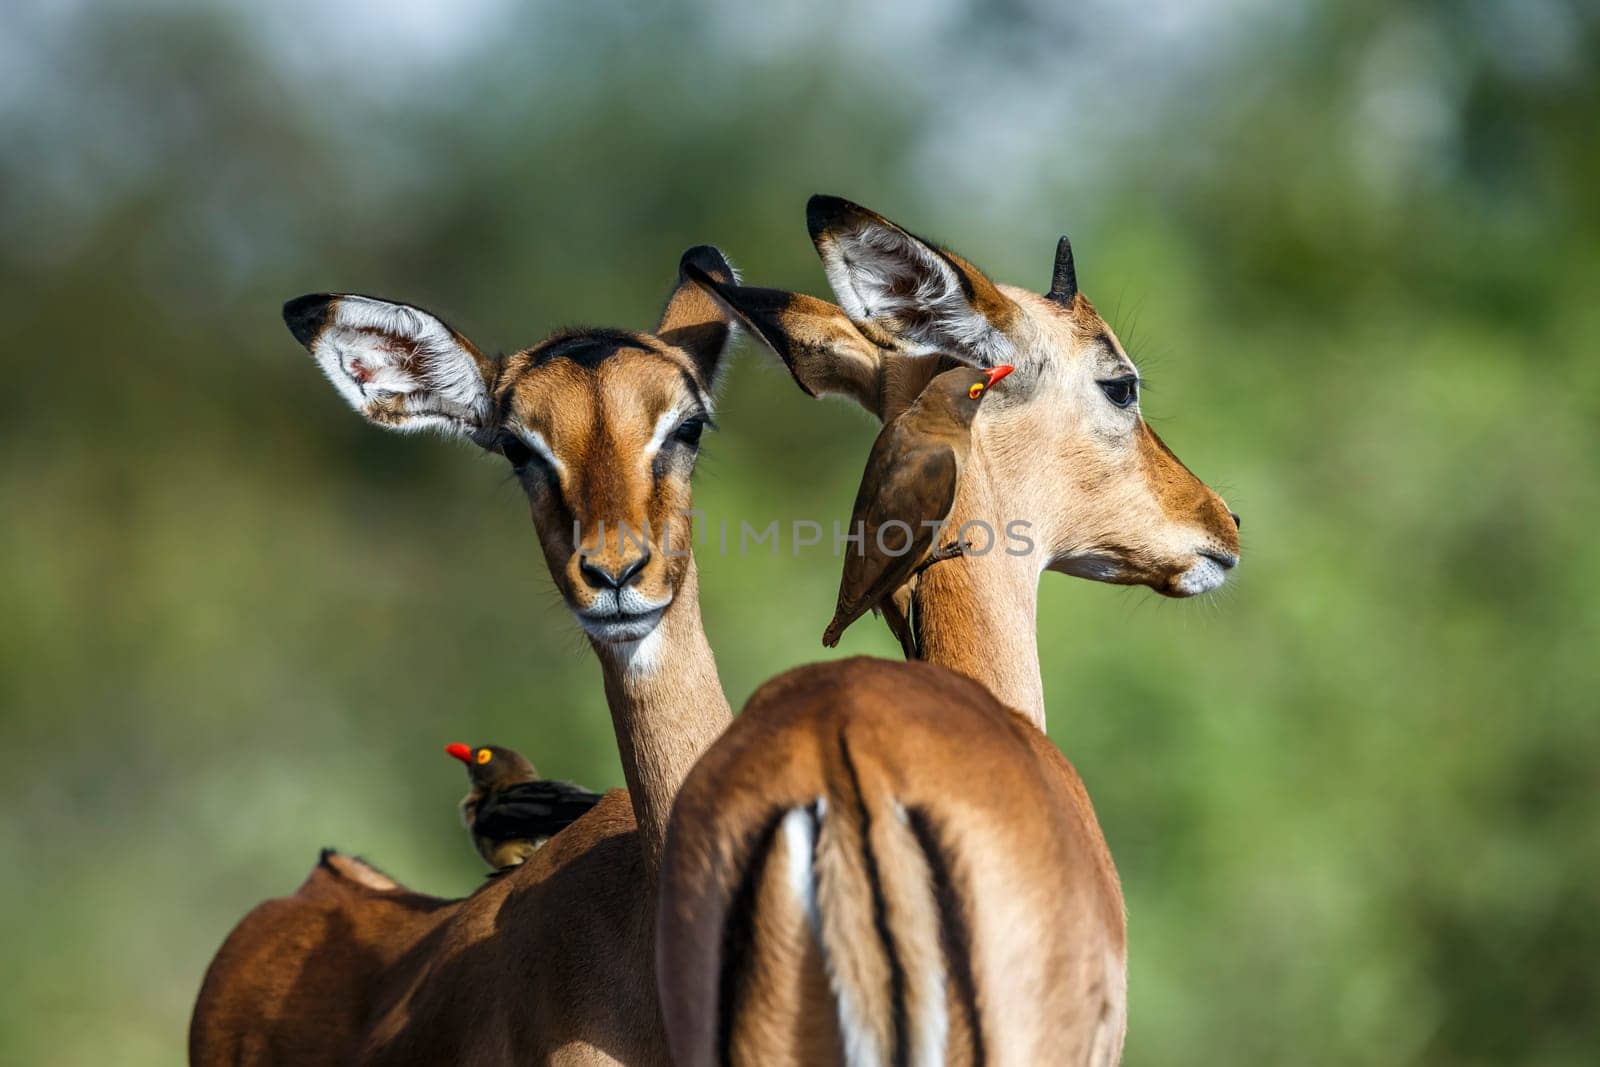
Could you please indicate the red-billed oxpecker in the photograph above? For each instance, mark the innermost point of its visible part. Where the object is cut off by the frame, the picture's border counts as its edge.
(510, 810)
(906, 495)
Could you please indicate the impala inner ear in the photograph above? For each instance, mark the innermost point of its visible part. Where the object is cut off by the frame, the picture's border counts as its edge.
(397, 365)
(932, 301)
(693, 320)
(1064, 278)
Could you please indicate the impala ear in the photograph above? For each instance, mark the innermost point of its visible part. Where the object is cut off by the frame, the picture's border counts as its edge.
(397, 365)
(930, 299)
(693, 320)
(816, 340)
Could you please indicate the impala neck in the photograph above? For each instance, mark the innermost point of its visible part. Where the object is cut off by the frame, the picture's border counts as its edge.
(979, 615)
(667, 707)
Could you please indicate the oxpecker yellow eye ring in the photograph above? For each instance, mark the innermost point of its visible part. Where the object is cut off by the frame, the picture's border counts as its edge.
(976, 391)
(484, 755)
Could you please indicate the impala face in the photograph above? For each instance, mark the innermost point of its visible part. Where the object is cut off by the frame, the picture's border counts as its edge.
(1113, 501)
(1061, 445)
(603, 431)
(601, 427)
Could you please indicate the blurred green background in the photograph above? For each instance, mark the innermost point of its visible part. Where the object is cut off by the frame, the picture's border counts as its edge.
(1355, 246)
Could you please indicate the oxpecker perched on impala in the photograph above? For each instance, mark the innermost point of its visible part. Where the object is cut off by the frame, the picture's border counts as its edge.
(510, 810)
(905, 498)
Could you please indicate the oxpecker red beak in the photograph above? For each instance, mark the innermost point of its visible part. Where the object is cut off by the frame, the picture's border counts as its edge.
(460, 752)
(999, 372)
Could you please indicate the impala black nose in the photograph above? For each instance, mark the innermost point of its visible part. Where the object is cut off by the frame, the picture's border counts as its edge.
(1238, 524)
(600, 577)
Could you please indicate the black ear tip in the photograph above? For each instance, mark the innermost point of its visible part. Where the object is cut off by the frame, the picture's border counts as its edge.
(305, 315)
(690, 272)
(704, 263)
(823, 210)
(695, 272)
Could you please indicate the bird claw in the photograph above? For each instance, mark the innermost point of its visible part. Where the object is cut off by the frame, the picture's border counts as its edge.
(953, 550)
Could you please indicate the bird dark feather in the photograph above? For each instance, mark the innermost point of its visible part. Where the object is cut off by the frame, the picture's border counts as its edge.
(531, 810)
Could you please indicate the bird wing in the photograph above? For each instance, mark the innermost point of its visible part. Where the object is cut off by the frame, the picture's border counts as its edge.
(532, 810)
(897, 475)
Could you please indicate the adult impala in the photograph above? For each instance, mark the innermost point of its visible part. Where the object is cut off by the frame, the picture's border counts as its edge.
(552, 962)
(1060, 448)
(838, 899)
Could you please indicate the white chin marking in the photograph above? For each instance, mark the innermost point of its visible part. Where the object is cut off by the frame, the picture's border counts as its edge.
(638, 657)
(1204, 576)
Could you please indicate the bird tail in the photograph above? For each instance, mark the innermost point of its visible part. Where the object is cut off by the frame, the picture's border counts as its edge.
(830, 636)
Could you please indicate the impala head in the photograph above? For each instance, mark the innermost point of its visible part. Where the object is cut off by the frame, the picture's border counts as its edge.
(601, 427)
(1062, 447)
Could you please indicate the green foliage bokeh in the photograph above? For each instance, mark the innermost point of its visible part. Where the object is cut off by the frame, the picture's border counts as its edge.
(1353, 799)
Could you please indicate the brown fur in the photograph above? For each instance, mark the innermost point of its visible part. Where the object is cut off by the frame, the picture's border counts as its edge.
(297, 979)
(781, 1010)
(339, 973)
(932, 888)
(1025, 897)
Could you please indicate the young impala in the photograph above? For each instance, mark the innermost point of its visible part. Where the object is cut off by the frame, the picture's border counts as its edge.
(840, 899)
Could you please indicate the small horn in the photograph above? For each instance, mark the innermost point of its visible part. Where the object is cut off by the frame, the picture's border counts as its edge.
(1064, 280)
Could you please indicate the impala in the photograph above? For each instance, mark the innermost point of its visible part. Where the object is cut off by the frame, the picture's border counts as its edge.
(553, 962)
(1061, 447)
(912, 885)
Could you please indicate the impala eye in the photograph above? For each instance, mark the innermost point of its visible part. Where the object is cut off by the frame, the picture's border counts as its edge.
(1122, 392)
(689, 432)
